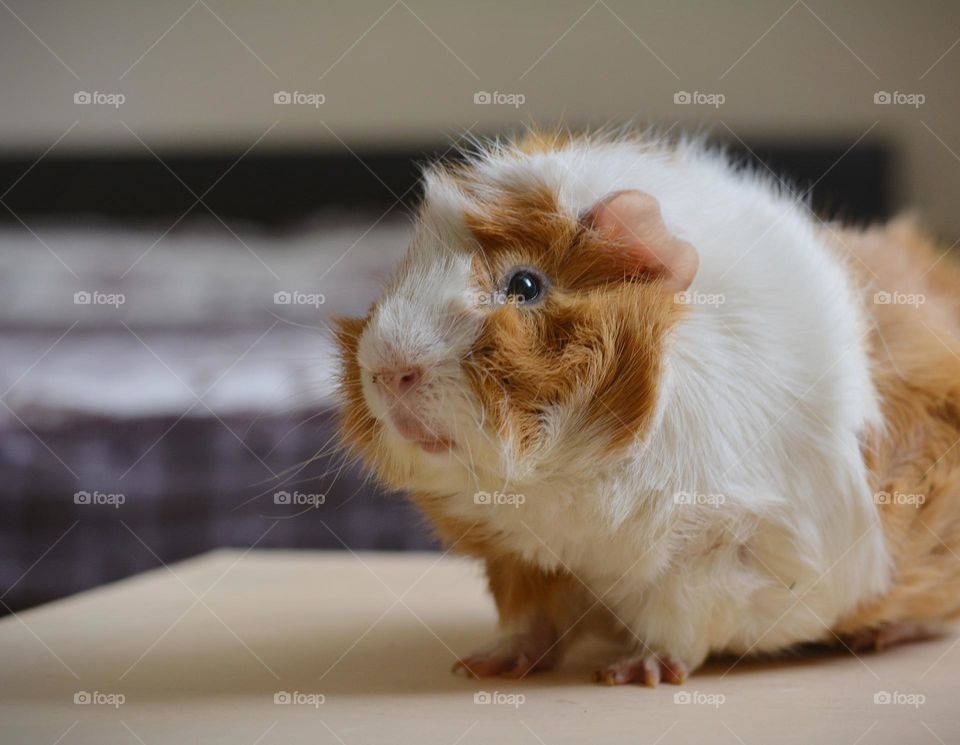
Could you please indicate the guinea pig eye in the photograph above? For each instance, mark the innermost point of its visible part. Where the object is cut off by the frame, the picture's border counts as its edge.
(525, 286)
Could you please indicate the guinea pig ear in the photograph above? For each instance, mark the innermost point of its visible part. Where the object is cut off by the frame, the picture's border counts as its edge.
(638, 240)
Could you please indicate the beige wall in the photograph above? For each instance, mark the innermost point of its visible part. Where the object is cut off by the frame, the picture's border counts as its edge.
(413, 75)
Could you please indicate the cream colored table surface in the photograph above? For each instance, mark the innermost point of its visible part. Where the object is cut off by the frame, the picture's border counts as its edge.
(200, 651)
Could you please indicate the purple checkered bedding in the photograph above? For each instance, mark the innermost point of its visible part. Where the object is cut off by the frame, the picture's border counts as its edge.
(199, 488)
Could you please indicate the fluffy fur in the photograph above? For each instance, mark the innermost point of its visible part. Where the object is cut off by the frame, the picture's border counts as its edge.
(690, 475)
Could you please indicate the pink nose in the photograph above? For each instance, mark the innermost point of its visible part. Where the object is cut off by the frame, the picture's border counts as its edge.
(399, 381)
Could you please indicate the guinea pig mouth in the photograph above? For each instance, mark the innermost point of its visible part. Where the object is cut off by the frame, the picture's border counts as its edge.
(410, 428)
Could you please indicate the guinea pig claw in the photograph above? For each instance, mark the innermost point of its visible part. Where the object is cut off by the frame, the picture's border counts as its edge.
(521, 666)
(648, 669)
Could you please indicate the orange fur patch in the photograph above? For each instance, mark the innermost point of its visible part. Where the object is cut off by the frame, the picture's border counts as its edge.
(915, 462)
(543, 140)
(596, 339)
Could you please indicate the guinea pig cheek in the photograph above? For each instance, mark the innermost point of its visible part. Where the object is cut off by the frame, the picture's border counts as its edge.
(505, 372)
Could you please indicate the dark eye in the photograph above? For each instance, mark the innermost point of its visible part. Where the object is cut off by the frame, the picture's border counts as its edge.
(524, 286)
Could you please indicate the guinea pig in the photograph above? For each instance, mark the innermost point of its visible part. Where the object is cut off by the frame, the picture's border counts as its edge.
(665, 403)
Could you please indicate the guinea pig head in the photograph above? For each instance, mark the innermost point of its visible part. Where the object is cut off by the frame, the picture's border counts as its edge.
(518, 337)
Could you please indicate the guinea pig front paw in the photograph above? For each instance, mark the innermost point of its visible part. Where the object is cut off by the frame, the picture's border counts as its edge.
(648, 669)
(514, 659)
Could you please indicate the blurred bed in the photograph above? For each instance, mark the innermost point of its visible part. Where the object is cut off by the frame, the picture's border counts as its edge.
(196, 403)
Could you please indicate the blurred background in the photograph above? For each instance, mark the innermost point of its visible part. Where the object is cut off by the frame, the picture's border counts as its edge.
(190, 189)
